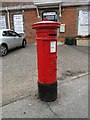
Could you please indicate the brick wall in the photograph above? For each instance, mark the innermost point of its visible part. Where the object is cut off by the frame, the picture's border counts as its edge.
(69, 18)
(11, 13)
(30, 17)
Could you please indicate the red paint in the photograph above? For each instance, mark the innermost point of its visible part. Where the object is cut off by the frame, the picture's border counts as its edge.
(45, 19)
(46, 32)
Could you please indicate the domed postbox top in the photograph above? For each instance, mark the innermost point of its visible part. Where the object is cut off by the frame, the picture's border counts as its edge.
(46, 25)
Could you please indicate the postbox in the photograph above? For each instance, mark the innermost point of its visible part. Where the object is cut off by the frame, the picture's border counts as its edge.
(46, 37)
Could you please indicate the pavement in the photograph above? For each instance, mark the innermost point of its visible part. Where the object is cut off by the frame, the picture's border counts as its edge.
(72, 102)
(19, 84)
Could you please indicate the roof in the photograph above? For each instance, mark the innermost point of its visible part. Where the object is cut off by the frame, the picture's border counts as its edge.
(5, 4)
(1, 30)
(19, 7)
(64, 2)
(31, 4)
(58, 0)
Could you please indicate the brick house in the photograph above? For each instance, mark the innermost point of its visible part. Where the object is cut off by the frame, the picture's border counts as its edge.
(73, 16)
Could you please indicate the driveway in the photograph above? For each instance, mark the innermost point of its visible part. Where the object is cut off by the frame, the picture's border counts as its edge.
(19, 70)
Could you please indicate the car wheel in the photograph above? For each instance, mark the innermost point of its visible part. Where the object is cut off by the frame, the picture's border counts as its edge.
(3, 50)
(24, 43)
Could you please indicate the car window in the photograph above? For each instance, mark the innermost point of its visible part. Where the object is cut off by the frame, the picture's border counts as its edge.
(10, 33)
(5, 33)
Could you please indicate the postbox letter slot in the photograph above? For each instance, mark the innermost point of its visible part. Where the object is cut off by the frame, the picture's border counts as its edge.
(52, 34)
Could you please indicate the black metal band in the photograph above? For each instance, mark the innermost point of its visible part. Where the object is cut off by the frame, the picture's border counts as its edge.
(47, 92)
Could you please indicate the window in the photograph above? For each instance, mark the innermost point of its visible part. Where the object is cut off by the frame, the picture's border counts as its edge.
(83, 22)
(51, 16)
(18, 23)
(10, 33)
(2, 22)
(5, 33)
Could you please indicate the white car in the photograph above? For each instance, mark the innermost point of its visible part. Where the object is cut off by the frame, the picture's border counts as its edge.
(9, 40)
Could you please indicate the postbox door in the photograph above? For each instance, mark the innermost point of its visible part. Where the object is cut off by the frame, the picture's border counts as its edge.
(40, 61)
(50, 61)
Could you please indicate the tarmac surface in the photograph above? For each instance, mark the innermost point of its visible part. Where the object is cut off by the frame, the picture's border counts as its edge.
(72, 102)
(19, 84)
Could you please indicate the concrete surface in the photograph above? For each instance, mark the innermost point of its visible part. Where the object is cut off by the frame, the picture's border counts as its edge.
(72, 102)
(19, 69)
(19, 80)
(83, 42)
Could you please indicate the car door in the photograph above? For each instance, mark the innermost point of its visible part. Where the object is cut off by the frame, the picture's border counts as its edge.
(16, 39)
(8, 38)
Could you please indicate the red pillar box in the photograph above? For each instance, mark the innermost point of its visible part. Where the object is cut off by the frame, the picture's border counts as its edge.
(46, 36)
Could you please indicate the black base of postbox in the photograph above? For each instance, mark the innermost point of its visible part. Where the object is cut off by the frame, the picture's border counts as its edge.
(47, 92)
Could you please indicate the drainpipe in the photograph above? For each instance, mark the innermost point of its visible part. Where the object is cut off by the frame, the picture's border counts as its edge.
(8, 18)
(37, 12)
(60, 15)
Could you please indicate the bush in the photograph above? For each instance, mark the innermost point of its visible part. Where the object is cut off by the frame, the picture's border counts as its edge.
(88, 36)
(70, 41)
(78, 36)
(81, 36)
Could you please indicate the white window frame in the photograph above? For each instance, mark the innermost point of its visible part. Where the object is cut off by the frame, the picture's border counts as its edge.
(83, 22)
(18, 23)
(2, 22)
